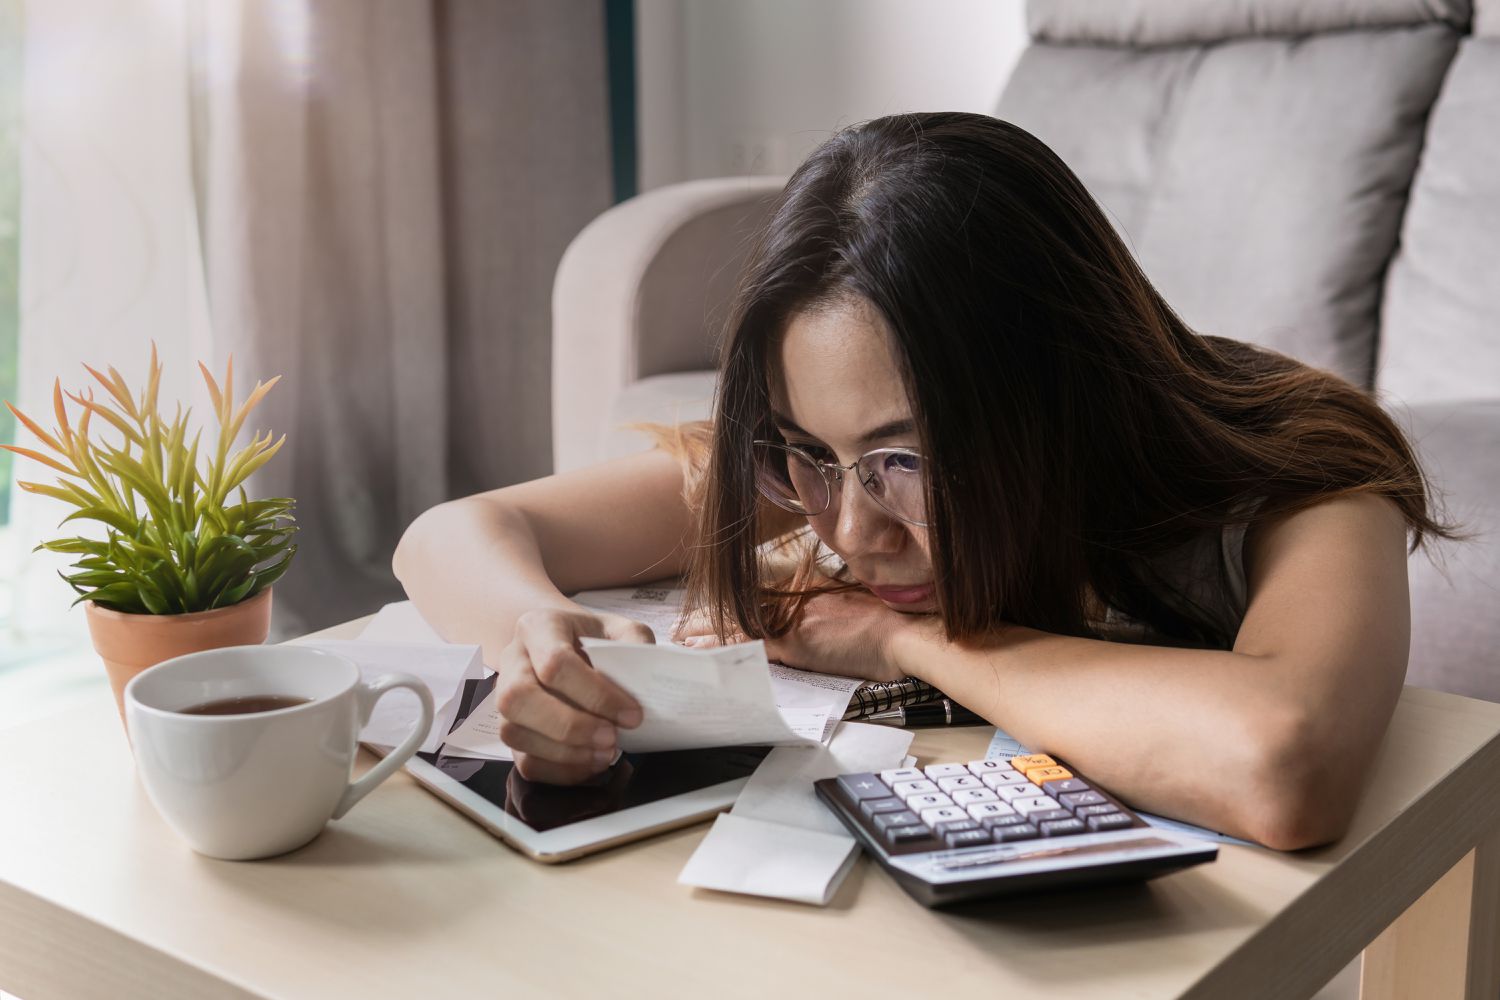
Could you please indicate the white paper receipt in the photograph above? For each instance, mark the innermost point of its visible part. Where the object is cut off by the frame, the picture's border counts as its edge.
(702, 697)
(779, 840)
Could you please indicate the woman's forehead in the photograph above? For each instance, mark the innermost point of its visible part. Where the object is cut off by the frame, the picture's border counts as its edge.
(833, 373)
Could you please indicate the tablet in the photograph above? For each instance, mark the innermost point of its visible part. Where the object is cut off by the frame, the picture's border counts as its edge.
(642, 794)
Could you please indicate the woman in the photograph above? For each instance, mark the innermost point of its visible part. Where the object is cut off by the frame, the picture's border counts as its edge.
(1177, 560)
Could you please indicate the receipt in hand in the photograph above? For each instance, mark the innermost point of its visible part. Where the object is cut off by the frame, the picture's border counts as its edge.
(702, 697)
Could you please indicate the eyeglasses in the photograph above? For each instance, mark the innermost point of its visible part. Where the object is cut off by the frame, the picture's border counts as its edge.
(794, 480)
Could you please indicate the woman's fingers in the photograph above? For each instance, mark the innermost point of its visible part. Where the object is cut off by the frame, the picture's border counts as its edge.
(592, 756)
(628, 630)
(544, 724)
(560, 667)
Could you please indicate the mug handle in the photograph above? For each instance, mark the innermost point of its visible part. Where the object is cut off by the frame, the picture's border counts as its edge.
(368, 694)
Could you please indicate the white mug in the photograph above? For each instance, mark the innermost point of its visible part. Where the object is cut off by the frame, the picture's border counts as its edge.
(263, 783)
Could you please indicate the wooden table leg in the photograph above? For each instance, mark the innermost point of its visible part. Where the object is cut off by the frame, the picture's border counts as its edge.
(1447, 943)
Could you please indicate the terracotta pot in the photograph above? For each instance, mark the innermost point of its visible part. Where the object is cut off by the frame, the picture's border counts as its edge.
(130, 643)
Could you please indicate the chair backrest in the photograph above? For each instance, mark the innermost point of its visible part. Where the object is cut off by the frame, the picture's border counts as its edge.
(1255, 155)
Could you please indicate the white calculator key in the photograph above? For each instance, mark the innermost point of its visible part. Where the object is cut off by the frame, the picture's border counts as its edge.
(902, 774)
(936, 771)
(969, 796)
(922, 787)
(987, 810)
(944, 814)
(995, 779)
(956, 781)
(933, 800)
(1025, 790)
(983, 767)
(1028, 806)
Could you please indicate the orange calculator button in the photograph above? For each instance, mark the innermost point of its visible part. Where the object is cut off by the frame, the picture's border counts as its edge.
(1030, 761)
(1038, 775)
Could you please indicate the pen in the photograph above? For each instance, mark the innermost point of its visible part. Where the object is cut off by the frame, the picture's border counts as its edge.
(933, 713)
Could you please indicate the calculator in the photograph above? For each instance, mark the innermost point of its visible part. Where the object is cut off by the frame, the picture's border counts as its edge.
(954, 832)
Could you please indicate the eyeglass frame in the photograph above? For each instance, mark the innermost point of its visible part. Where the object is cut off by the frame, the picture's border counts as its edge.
(838, 477)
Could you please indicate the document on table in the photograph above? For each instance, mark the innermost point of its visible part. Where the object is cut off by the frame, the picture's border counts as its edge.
(658, 608)
(779, 840)
(442, 667)
(399, 622)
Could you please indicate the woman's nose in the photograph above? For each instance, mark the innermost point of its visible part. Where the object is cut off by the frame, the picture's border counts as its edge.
(862, 523)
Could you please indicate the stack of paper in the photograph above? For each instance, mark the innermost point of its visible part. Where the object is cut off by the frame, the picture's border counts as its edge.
(779, 840)
(443, 668)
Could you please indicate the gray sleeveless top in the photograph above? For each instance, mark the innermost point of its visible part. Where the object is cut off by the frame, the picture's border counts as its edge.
(1206, 573)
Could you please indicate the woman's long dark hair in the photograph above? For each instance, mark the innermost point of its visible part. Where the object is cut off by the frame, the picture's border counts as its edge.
(1074, 426)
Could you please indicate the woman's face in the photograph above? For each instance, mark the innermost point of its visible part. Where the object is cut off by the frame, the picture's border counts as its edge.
(838, 395)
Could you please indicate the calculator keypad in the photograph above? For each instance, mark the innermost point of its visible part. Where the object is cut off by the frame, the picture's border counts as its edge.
(981, 802)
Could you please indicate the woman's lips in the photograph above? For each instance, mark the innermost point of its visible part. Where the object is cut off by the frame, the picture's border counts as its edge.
(903, 595)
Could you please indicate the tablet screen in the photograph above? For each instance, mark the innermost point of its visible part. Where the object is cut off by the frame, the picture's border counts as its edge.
(635, 779)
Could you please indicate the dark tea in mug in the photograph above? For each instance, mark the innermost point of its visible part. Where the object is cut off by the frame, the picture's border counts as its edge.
(246, 705)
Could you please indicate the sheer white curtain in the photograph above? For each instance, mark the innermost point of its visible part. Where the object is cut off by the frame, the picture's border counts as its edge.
(369, 199)
(109, 242)
(386, 191)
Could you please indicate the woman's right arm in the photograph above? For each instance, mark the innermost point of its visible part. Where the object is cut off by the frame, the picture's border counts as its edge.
(473, 566)
(494, 569)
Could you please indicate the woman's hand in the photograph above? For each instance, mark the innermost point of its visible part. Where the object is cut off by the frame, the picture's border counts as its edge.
(558, 714)
(848, 632)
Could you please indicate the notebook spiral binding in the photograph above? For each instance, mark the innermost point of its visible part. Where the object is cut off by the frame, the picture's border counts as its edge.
(882, 696)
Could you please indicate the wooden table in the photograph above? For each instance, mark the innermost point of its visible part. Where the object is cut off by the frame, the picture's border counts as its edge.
(404, 898)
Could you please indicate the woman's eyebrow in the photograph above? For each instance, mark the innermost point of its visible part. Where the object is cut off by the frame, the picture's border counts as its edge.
(903, 426)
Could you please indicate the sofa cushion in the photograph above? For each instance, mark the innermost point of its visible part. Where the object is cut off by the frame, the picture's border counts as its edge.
(1186, 22)
(1487, 18)
(1440, 333)
(1264, 212)
(1455, 590)
(661, 399)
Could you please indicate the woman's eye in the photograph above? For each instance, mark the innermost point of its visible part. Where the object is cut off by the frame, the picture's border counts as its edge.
(903, 462)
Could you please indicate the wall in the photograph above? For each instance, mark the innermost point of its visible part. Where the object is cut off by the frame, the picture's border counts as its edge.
(751, 86)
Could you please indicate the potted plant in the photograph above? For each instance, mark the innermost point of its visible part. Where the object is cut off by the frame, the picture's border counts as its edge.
(186, 560)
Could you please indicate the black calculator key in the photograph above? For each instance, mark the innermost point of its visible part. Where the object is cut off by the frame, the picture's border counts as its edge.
(898, 835)
(1016, 831)
(1061, 827)
(1043, 815)
(1088, 798)
(967, 838)
(890, 820)
(1095, 810)
(990, 822)
(1109, 821)
(1058, 786)
(956, 826)
(870, 807)
(863, 786)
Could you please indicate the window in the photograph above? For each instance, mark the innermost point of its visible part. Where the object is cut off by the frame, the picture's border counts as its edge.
(10, 230)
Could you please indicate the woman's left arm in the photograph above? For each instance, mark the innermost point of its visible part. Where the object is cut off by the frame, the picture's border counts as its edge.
(1269, 741)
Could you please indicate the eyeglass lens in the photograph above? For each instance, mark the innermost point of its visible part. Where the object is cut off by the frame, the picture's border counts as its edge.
(791, 481)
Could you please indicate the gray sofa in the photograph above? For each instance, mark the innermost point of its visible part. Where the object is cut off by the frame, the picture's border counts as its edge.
(1319, 176)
